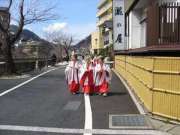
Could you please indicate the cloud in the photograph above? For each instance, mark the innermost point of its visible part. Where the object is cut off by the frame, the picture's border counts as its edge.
(55, 27)
(79, 31)
(13, 22)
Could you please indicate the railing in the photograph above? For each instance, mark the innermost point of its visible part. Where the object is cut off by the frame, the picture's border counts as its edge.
(101, 3)
(103, 19)
(104, 9)
(169, 17)
(163, 26)
(25, 65)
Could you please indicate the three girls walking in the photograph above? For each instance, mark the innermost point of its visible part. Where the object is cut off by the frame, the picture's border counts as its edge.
(92, 75)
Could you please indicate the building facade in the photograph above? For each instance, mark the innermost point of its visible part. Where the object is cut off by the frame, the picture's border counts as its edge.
(104, 23)
(152, 25)
(95, 42)
(151, 62)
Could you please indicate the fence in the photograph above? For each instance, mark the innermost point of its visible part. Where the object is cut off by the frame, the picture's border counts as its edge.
(25, 65)
(163, 26)
(155, 80)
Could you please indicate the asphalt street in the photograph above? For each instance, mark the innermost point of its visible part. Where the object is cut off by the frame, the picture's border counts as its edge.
(46, 102)
(6, 84)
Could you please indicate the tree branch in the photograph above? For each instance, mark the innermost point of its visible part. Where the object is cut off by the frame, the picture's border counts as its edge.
(21, 23)
(62, 39)
(39, 16)
(10, 4)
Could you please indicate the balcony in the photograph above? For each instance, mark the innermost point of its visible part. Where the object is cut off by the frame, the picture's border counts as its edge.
(101, 3)
(103, 19)
(104, 9)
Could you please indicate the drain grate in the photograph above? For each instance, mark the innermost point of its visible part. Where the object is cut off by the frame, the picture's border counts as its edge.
(129, 122)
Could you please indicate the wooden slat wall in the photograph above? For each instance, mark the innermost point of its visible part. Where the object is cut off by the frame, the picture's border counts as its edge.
(163, 24)
(152, 25)
(155, 80)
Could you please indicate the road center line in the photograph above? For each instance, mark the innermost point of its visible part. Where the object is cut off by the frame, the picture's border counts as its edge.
(20, 85)
(80, 131)
(88, 114)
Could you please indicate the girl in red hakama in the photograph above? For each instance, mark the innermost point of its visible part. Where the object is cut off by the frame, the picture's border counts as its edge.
(103, 77)
(87, 80)
(95, 63)
(72, 74)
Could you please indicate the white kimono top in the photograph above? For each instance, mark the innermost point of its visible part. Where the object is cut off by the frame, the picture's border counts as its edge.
(72, 72)
(101, 77)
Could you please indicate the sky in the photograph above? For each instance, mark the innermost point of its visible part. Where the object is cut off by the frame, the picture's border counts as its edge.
(76, 17)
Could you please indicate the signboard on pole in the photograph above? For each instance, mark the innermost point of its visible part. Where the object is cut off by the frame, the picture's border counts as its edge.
(119, 25)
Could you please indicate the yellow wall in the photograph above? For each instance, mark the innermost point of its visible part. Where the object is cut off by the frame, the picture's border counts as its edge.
(95, 40)
(156, 80)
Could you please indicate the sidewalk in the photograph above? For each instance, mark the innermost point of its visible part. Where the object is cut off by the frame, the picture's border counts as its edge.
(158, 123)
(162, 125)
(118, 102)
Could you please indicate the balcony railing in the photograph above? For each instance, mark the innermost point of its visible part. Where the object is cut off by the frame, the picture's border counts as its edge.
(101, 3)
(104, 9)
(164, 24)
(103, 19)
(163, 31)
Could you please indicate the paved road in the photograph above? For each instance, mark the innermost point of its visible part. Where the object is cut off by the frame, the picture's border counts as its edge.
(118, 102)
(45, 102)
(7, 84)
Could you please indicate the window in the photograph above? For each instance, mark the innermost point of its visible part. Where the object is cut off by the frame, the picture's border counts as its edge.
(127, 25)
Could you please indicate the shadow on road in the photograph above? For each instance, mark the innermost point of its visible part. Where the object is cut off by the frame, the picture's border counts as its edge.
(117, 93)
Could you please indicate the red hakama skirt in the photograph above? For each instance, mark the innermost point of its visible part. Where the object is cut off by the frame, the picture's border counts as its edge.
(74, 87)
(104, 87)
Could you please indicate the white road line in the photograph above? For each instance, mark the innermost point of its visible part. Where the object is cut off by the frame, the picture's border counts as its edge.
(80, 131)
(20, 85)
(88, 114)
(139, 107)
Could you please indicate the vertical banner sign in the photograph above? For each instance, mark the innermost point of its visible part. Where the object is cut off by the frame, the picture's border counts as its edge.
(118, 25)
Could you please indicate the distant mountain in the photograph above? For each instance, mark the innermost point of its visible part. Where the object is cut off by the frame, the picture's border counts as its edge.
(83, 47)
(85, 43)
(26, 34)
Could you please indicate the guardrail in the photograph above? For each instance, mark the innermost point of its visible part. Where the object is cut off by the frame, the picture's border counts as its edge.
(25, 65)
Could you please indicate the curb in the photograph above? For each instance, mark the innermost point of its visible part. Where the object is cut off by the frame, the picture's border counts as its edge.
(134, 98)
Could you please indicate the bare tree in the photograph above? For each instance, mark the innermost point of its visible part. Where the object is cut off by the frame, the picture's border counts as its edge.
(26, 12)
(62, 39)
